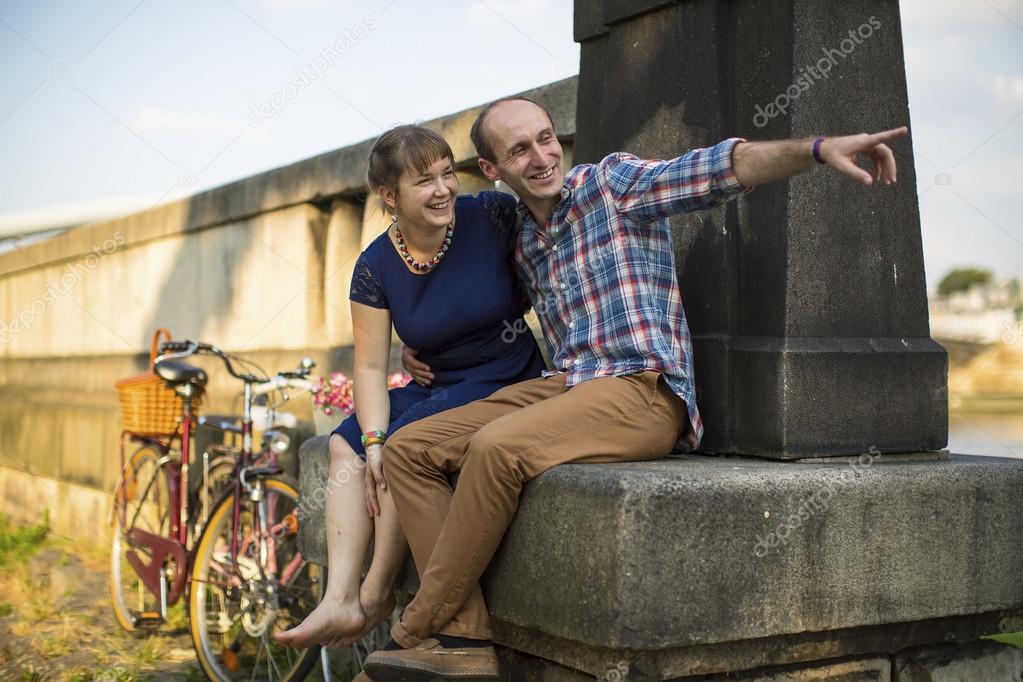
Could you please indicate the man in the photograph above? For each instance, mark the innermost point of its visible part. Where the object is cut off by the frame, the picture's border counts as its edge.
(595, 253)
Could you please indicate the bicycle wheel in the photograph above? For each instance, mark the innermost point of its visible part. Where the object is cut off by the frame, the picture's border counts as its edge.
(141, 500)
(236, 606)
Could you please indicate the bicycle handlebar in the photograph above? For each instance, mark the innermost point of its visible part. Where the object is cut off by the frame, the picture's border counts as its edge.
(293, 379)
(176, 347)
(183, 349)
(282, 381)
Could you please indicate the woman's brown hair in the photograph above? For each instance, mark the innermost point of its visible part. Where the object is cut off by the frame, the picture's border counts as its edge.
(412, 148)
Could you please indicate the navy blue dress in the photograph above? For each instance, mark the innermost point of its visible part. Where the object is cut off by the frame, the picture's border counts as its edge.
(464, 317)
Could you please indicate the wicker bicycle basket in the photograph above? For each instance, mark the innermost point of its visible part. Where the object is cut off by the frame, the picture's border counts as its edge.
(148, 406)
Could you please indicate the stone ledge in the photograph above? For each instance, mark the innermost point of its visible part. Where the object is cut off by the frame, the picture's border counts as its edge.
(523, 668)
(665, 560)
(976, 661)
(340, 172)
(679, 552)
(752, 655)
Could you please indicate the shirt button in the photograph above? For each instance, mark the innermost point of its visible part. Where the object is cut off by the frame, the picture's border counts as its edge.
(562, 285)
(554, 248)
(571, 324)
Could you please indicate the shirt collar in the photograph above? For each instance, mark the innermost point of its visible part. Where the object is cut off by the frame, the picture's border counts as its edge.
(566, 194)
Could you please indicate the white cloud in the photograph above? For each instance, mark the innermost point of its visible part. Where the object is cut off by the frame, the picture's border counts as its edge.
(36, 219)
(301, 4)
(962, 14)
(993, 173)
(524, 16)
(156, 120)
(510, 8)
(1007, 89)
(955, 235)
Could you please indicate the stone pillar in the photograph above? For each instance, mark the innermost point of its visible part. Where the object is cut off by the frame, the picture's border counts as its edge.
(472, 181)
(374, 221)
(806, 298)
(316, 274)
(344, 232)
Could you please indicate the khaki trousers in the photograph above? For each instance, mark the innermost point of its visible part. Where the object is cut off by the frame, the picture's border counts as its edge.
(496, 445)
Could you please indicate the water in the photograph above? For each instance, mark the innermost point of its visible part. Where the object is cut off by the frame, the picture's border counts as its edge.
(993, 435)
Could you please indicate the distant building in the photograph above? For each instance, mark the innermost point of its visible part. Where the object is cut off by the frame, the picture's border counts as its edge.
(984, 313)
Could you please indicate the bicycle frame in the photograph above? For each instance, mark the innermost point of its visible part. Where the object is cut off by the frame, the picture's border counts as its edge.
(175, 545)
(153, 574)
(240, 486)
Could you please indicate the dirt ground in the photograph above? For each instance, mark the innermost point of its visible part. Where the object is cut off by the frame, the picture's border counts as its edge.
(57, 624)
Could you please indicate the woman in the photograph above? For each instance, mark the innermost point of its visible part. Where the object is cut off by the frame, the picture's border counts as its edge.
(442, 274)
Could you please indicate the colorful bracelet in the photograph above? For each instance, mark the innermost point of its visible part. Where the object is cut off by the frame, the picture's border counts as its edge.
(817, 149)
(372, 441)
(374, 435)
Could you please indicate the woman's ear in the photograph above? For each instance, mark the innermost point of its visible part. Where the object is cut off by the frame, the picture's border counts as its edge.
(389, 196)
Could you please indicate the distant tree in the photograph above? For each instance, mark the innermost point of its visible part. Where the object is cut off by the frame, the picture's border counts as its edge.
(962, 279)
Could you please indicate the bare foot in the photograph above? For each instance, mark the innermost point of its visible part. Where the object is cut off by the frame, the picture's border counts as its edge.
(376, 612)
(330, 619)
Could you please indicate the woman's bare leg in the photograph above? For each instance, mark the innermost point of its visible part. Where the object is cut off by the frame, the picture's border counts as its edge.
(389, 550)
(349, 528)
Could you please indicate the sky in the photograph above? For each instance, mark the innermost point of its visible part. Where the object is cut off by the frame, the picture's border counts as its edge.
(116, 106)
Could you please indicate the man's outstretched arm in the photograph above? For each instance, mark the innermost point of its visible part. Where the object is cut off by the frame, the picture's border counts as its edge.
(756, 163)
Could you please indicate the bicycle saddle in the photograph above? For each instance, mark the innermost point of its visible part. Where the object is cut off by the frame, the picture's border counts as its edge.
(174, 372)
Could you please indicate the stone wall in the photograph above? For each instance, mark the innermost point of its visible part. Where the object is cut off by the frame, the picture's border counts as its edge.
(260, 267)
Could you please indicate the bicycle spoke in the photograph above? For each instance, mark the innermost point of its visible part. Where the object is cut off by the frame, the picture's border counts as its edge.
(270, 658)
(255, 667)
(244, 590)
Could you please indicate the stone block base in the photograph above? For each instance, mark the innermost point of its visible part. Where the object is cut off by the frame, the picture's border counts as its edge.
(981, 661)
(988, 661)
(697, 565)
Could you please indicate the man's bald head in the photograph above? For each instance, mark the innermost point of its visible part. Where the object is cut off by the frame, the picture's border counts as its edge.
(478, 134)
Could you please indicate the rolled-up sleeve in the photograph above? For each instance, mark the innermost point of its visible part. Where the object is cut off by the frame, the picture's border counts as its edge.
(646, 190)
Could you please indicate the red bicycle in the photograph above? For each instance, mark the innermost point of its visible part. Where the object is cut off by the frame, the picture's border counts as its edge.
(236, 557)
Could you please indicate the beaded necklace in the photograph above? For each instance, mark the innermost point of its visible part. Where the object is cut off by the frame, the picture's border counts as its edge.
(430, 264)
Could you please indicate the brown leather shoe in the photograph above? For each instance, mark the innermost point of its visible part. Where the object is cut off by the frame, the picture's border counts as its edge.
(431, 660)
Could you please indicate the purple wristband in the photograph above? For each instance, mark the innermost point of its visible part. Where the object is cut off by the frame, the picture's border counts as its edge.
(817, 149)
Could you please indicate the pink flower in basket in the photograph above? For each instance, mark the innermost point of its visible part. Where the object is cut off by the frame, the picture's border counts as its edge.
(398, 379)
(334, 395)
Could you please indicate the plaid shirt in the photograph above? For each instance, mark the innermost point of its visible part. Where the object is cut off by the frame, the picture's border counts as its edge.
(601, 275)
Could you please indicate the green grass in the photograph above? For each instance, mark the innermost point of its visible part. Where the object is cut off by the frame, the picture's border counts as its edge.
(106, 674)
(1013, 638)
(6, 609)
(18, 543)
(177, 619)
(149, 652)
